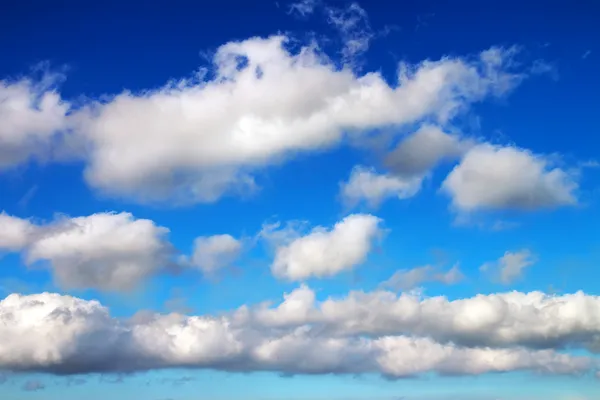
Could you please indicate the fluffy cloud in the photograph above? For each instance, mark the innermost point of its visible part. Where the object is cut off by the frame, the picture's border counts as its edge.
(423, 150)
(365, 184)
(409, 279)
(106, 250)
(197, 139)
(492, 177)
(66, 335)
(326, 252)
(15, 232)
(511, 265)
(212, 253)
(32, 113)
(506, 319)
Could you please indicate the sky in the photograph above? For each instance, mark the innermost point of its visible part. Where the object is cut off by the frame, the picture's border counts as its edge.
(314, 200)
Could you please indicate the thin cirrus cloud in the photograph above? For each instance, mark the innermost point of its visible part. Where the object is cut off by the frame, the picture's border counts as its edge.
(68, 346)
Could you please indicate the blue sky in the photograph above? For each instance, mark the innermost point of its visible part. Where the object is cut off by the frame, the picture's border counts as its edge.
(312, 200)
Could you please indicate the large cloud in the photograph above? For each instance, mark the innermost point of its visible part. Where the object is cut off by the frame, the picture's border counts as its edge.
(493, 177)
(66, 335)
(199, 139)
(326, 252)
(196, 139)
(506, 319)
(107, 251)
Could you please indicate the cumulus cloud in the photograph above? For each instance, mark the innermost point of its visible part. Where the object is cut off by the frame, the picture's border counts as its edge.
(511, 265)
(510, 319)
(200, 138)
(66, 335)
(212, 253)
(408, 279)
(32, 114)
(107, 251)
(326, 252)
(365, 184)
(15, 232)
(418, 154)
(492, 177)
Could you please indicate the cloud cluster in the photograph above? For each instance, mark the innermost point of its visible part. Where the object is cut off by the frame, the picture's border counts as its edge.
(197, 139)
(66, 335)
(506, 319)
(109, 251)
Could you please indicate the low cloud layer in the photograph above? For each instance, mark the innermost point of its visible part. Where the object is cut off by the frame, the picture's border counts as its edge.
(66, 335)
(510, 319)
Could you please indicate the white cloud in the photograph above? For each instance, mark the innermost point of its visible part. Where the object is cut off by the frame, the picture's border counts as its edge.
(198, 139)
(106, 251)
(326, 252)
(15, 232)
(506, 319)
(32, 113)
(492, 177)
(365, 184)
(511, 265)
(212, 253)
(66, 335)
(408, 279)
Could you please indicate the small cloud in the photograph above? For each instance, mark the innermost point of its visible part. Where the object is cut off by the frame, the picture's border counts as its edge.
(502, 225)
(586, 54)
(303, 8)
(33, 386)
(412, 278)
(510, 266)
